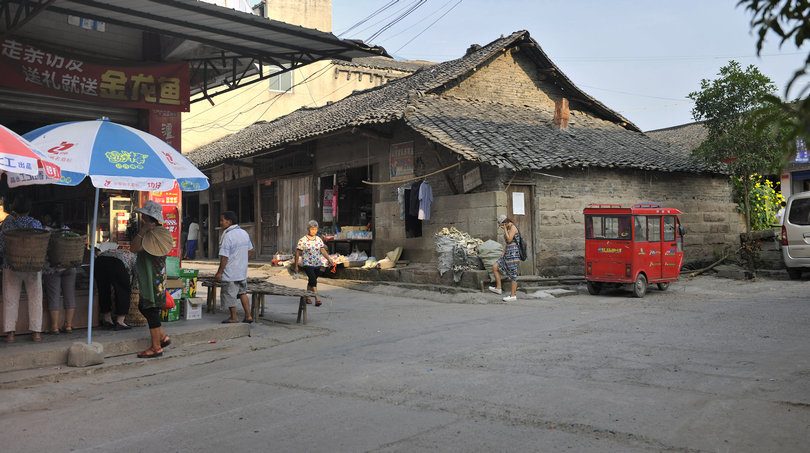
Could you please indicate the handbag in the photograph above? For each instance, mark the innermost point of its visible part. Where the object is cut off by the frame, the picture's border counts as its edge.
(522, 247)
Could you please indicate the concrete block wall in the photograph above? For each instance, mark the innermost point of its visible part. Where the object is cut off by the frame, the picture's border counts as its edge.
(710, 218)
(474, 213)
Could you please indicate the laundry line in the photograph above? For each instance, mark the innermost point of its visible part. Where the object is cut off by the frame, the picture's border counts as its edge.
(371, 183)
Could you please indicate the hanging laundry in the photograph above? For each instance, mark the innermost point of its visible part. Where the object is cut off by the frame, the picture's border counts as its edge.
(425, 200)
(401, 201)
(413, 206)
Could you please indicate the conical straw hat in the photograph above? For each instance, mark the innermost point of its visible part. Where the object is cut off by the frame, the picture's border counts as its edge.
(394, 255)
(158, 241)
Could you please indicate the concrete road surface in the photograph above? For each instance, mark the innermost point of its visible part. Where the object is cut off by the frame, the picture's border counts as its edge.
(711, 365)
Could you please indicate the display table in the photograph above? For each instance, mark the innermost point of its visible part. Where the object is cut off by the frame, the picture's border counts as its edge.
(332, 245)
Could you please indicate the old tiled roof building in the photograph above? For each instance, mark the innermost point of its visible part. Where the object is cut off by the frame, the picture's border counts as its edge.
(505, 120)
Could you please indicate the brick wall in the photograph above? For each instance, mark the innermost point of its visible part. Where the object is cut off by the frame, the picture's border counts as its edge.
(508, 78)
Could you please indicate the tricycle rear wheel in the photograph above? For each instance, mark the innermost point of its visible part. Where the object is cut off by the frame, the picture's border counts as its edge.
(663, 286)
(640, 286)
(594, 288)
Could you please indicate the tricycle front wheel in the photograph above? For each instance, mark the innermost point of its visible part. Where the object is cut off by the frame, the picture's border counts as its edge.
(663, 286)
(640, 286)
(594, 288)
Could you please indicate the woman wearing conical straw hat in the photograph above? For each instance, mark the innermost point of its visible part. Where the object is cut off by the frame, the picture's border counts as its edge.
(152, 244)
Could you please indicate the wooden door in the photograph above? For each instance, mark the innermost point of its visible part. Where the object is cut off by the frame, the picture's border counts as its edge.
(295, 207)
(520, 208)
(269, 218)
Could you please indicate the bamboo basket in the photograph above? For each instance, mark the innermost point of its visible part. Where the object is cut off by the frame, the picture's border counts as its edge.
(134, 317)
(66, 250)
(26, 248)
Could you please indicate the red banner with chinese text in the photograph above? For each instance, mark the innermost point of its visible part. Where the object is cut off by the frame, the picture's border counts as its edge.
(29, 68)
(166, 125)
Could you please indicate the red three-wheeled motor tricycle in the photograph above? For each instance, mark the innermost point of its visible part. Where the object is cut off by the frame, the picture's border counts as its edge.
(632, 247)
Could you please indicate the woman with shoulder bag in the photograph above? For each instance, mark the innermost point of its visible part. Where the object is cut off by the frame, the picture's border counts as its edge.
(509, 260)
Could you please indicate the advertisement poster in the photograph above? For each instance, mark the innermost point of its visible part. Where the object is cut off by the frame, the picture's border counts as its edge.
(328, 199)
(401, 160)
(171, 221)
(170, 200)
(518, 204)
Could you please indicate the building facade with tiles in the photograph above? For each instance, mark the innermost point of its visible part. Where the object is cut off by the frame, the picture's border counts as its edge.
(500, 130)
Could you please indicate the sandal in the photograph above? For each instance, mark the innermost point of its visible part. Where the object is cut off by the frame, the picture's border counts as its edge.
(309, 302)
(318, 302)
(66, 329)
(52, 332)
(35, 336)
(150, 353)
(9, 337)
(165, 341)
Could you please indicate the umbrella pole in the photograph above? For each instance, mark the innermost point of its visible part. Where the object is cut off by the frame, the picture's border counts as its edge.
(92, 272)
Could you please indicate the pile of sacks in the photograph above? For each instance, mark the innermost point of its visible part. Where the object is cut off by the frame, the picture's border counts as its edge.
(457, 251)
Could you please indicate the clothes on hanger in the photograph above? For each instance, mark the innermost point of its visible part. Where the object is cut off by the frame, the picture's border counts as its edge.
(425, 200)
(413, 205)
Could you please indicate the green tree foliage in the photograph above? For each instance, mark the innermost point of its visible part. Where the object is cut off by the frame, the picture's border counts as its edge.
(736, 115)
(790, 21)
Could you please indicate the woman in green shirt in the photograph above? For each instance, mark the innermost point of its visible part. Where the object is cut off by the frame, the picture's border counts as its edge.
(151, 244)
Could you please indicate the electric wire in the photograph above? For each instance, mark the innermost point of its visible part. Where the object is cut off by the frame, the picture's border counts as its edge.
(382, 20)
(363, 21)
(438, 10)
(208, 126)
(428, 27)
(407, 13)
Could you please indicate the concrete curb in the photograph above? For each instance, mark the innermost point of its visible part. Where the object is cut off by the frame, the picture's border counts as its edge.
(53, 351)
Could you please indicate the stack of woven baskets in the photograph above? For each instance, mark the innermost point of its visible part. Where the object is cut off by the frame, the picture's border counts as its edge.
(28, 248)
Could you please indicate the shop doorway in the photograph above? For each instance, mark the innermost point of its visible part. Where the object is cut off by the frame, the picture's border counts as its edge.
(347, 206)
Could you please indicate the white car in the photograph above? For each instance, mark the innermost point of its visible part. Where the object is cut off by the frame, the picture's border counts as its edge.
(796, 235)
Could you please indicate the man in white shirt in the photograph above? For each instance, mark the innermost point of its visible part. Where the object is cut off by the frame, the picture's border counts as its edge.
(235, 248)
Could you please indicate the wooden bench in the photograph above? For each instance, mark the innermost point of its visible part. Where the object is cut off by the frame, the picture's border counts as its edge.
(257, 288)
(212, 285)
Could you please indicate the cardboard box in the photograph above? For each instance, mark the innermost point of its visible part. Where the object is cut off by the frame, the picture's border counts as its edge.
(193, 307)
(189, 273)
(172, 266)
(172, 314)
(176, 293)
(174, 283)
(189, 287)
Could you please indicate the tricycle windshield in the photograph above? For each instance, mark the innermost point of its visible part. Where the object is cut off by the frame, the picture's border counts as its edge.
(608, 227)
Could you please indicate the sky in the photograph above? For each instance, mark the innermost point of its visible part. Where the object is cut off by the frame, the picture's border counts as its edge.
(640, 58)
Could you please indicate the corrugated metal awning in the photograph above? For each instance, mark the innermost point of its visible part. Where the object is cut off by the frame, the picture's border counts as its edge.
(232, 41)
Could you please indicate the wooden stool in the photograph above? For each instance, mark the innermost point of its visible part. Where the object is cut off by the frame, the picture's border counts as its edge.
(211, 298)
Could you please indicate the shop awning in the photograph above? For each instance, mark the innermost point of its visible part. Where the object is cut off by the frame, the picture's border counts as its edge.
(228, 45)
